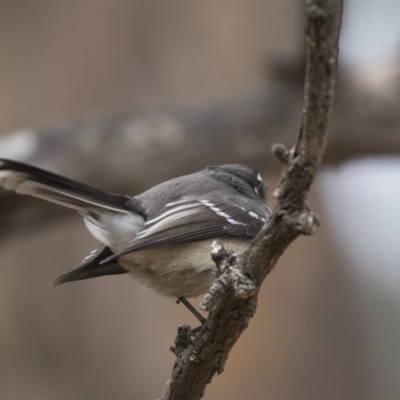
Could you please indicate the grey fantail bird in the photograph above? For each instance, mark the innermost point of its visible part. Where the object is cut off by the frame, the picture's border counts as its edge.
(162, 237)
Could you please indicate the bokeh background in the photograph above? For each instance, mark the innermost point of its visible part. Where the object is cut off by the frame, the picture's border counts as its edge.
(328, 321)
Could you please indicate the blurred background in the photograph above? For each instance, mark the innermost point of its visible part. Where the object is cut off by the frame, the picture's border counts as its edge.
(125, 94)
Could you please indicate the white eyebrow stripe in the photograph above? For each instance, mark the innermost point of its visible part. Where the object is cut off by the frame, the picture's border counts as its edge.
(173, 210)
(214, 208)
(259, 177)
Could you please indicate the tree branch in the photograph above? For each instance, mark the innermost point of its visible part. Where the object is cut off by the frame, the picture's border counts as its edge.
(232, 298)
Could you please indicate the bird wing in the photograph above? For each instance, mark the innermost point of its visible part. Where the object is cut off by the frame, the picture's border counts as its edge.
(190, 220)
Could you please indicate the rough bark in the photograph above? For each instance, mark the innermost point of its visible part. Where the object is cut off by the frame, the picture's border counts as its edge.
(232, 298)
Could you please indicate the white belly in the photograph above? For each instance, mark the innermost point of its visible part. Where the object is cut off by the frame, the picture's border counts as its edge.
(178, 270)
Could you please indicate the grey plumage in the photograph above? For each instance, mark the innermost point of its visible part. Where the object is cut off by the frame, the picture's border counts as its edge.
(162, 236)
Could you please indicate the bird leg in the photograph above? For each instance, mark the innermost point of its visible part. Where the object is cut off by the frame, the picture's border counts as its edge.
(191, 309)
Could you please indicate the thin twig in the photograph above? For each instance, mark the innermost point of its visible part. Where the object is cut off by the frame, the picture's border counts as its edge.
(232, 299)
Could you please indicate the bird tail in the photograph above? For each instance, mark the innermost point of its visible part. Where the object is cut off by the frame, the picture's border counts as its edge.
(26, 179)
(92, 267)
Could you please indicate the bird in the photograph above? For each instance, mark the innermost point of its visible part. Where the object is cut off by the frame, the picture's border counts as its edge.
(162, 236)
